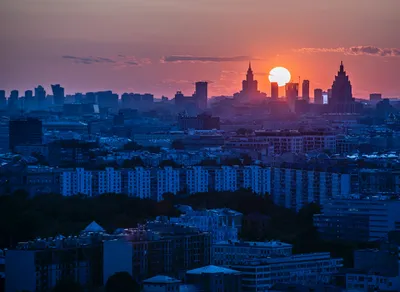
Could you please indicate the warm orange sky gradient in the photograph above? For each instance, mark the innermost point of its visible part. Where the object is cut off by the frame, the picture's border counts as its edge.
(161, 46)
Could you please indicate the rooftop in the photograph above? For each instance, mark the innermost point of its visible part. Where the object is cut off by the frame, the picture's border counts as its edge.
(161, 280)
(211, 270)
(268, 244)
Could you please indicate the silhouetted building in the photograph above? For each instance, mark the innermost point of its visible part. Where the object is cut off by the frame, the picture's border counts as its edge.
(202, 94)
(58, 94)
(137, 101)
(318, 98)
(186, 103)
(118, 120)
(90, 97)
(25, 131)
(40, 97)
(13, 101)
(306, 90)
(342, 97)
(29, 101)
(201, 122)
(292, 92)
(107, 99)
(249, 88)
(274, 90)
(375, 97)
(70, 153)
(3, 100)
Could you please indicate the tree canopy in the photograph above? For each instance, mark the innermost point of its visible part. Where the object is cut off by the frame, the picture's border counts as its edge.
(122, 282)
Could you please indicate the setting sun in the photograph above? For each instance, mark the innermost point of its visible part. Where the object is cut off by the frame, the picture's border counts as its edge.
(280, 75)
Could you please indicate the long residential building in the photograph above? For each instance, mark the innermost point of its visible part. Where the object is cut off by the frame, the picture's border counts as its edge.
(288, 186)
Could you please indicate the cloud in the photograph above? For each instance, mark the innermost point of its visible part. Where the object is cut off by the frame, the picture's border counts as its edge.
(198, 59)
(355, 51)
(121, 61)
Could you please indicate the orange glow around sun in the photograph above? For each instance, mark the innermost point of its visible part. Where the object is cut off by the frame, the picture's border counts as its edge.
(280, 75)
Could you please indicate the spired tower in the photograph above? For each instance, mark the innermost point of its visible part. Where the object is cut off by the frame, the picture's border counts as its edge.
(249, 86)
(342, 100)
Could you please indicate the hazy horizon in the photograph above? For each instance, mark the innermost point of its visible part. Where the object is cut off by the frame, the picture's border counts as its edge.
(161, 46)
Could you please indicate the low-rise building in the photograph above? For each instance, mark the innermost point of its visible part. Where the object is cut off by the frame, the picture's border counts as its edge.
(358, 218)
(263, 273)
(227, 252)
(215, 279)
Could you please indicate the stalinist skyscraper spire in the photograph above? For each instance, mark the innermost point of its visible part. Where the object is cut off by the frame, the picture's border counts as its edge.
(342, 97)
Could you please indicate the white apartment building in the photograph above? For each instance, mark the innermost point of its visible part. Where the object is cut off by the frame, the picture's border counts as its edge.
(313, 268)
(295, 188)
(167, 182)
(109, 181)
(226, 178)
(229, 252)
(139, 183)
(197, 180)
(78, 181)
(257, 178)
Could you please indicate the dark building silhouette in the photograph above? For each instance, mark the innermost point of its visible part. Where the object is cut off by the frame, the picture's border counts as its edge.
(13, 101)
(341, 100)
(306, 90)
(186, 103)
(40, 97)
(70, 153)
(90, 97)
(29, 100)
(137, 101)
(292, 92)
(201, 122)
(107, 99)
(274, 90)
(25, 131)
(201, 94)
(58, 94)
(249, 88)
(3, 100)
(375, 97)
(318, 97)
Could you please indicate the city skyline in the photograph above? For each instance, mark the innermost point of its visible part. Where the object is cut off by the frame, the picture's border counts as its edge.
(167, 46)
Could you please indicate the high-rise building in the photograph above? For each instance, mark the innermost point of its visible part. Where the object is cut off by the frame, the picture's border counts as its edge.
(202, 94)
(3, 100)
(197, 180)
(25, 131)
(342, 100)
(29, 101)
(226, 179)
(292, 92)
(167, 182)
(274, 90)
(40, 97)
(13, 100)
(58, 94)
(306, 90)
(318, 98)
(249, 90)
(375, 97)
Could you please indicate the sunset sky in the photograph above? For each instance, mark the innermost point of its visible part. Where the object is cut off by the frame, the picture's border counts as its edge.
(161, 46)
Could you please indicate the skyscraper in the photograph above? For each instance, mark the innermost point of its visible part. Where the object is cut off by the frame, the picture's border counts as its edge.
(274, 90)
(13, 100)
(3, 100)
(306, 90)
(342, 100)
(58, 94)
(249, 90)
(40, 96)
(23, 132)
(292, 92)
(202, 94)
(318, 98)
